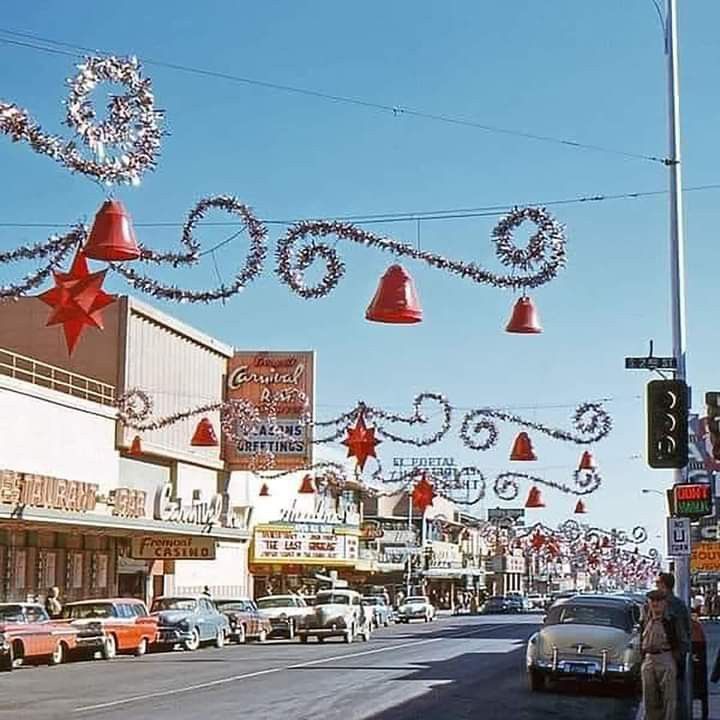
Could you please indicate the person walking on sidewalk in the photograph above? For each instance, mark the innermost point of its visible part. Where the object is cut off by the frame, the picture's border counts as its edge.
(660, 651)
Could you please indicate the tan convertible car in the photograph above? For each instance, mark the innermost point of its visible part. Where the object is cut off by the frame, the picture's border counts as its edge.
(589, 638)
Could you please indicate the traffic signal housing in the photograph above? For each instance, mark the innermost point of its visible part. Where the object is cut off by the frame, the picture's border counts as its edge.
(712, 401)
(667, 424)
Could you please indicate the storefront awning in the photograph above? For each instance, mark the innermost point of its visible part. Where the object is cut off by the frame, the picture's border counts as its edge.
(113, 525)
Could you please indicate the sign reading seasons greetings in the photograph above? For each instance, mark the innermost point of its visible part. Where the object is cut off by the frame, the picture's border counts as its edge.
(281, 377)
(300, 546)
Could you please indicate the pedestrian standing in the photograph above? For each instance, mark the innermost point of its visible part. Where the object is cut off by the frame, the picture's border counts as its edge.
(660, 652)
(206, 592)
(53, 606)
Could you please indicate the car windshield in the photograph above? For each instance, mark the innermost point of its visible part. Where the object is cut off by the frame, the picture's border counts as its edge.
(173, 604)
(332, 599)
(233, 605)
(88, 610)
(416, 599)
(277, 601)
(11, 613)
(576, 614)
(371, 601)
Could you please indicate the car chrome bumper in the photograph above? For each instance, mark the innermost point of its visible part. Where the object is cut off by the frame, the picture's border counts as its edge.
(168, 636)
(593, 669)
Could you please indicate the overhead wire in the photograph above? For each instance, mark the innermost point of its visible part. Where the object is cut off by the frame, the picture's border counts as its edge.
(50, 45)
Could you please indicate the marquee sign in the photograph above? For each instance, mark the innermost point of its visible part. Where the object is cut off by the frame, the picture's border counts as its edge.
(283, 378)
(300, 546)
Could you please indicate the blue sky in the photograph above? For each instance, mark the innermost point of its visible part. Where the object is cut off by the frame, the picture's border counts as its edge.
(591, 72)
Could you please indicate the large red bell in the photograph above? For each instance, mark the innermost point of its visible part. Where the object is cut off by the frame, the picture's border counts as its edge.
(534, 498)
(204, 435)
(587, 461)
(135, 446)
(264, 490)
(396, 299)
(522, 448)
(306, 487)
(524, 318)
(580, 508)
(112, 236)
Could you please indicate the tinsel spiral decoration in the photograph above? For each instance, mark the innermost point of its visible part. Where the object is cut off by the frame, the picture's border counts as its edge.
(132, 124)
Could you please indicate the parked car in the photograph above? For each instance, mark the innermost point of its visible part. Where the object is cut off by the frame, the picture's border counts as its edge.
(586, 638)
(497, 605)
(416, 607)
(189, 621)
(284, 612)
(28, 634)
(244, 619)
(382, 614)
(537, 601)
(114, 625)
(337, 613)
(518, 602)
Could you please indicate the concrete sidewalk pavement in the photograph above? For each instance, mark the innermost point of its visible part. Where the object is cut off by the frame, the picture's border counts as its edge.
(712, 635)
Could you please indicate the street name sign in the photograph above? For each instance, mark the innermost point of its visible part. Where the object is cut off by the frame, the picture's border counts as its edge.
(650, 363)
(678, 536)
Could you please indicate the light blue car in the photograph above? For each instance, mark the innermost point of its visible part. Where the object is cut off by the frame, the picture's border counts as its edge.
(189, 622)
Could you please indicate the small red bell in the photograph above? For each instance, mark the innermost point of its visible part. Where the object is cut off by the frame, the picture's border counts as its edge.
(306, 487)
(396, 299)
(534, 498)
(135, 446)
(522, 448)
(264, 490)
(587, 461)
(204, 435)
(524, 318)
(580, 508)
(112, 236)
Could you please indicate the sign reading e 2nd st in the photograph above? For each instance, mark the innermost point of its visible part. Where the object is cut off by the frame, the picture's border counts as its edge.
(693, 500)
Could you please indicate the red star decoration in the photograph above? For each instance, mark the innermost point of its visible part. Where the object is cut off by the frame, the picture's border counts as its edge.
(423, 494)
(538, 540)
(77, 300)
(361, 442)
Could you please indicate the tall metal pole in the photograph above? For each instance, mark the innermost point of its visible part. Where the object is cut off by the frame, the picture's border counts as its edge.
(677, 300)
(410, 541)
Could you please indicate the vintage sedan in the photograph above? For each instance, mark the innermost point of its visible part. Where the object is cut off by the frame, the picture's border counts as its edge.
(382, 613)
(189, 621)
(337, 613)
(27, 634)
(111, 626)
(416, 607)
(245, 619)
(285, 613)
(589, 638)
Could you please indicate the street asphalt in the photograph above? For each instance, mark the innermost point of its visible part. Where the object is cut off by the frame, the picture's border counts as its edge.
(452, 669)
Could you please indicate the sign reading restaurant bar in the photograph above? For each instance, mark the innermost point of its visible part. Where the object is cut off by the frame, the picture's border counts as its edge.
(172, 548)
(284, 378)
(43, 491)
(305, 545)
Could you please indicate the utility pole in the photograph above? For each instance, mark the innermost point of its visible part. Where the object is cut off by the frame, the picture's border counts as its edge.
(677, 286)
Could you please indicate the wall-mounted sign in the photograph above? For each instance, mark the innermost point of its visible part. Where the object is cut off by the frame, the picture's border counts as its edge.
(371, 530)
(127, 502)
(705, 557)
(172, 548)
(215, 511)
(295, 545)
(43, 491)
(445, 555)
(324, 512)
(692, 500)
(288, 379)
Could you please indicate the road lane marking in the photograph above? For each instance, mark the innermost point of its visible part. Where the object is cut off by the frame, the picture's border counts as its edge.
(270, 671)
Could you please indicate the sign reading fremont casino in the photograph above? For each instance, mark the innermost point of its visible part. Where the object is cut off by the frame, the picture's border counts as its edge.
(284, 378)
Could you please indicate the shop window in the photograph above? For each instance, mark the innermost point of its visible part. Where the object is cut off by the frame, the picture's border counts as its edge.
(75, 567)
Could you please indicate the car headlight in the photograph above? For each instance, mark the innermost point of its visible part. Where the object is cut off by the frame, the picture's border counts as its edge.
(184, 625)
(283, 617)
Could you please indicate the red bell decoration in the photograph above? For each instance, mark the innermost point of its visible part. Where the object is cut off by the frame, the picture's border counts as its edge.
(524, 318)
(534, 498)
(112, 236)
(306, 487)
(522, 448)
(580, 508)
(264, 490)
(135, 446)
(396, 300)
(587, 461)
(204, 435)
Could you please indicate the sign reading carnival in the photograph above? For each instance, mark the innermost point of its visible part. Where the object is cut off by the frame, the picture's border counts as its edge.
(284, 381)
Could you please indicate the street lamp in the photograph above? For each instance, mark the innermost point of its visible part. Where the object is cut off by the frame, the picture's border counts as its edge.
(645, 491)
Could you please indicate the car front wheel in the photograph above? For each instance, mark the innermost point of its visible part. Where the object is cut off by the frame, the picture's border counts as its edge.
(58, 656)
(240, 635)
(109, 648)
(220, 638)
(291, 630)
(349, 635)
(193, 643)
(536, 680)
(262, 636)
(142, 648)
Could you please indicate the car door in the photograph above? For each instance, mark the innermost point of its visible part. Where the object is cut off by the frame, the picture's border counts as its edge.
(37, 637)
(206, 620)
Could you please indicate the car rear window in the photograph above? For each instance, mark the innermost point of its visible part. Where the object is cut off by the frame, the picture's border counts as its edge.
(332, 599)
(12, 613)
(604, 615)
(173, 604)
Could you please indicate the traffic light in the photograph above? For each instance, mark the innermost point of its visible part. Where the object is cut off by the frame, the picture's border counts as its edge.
(667, 423)
(712, 400)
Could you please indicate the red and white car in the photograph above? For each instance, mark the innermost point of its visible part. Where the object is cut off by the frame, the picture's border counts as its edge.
(27, 634)
(111, 626)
